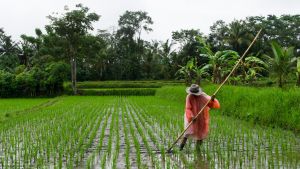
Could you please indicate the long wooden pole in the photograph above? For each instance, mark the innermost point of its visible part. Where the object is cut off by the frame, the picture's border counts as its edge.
(215, 93)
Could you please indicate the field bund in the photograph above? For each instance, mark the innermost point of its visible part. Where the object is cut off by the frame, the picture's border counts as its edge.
(135, 131)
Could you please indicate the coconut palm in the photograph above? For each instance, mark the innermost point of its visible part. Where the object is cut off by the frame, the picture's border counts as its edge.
(165, 55)
(238, 37)
(281, 65)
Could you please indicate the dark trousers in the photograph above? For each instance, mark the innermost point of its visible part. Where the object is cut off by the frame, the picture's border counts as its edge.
(184, 140)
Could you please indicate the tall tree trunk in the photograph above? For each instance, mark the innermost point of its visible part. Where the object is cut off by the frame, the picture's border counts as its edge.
(198, 81)
(214, 75)
(244, 71)
(280, 82)
(73, 68)
(298, 83)
(73, 74)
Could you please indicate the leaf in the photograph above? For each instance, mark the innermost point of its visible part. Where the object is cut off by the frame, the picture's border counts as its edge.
(277, 50)
(254, 60)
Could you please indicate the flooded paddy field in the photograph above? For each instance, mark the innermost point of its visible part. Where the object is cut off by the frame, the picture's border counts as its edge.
(135, 132)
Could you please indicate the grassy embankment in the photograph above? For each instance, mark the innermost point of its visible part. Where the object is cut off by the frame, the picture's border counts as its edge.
(266, 106)
(12, 107)
(124, 88)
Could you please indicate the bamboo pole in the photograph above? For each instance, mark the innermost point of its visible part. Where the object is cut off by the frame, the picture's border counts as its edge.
(215, 93)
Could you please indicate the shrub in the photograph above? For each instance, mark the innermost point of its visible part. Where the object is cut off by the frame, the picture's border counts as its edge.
(38, 81)
(6, 83)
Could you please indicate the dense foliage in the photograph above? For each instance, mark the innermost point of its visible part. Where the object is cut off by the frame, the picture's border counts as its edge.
(37, 81)
(122, 54)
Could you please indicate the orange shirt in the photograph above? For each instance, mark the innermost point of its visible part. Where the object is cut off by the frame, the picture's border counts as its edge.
(200, 128)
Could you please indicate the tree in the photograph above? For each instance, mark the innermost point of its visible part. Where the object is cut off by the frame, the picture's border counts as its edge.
(186, 39)
(136, 21)
(218, 35)
(238, 37)
(165, 54)
(298, 71)
(130, 47)
(281, 65)
(8, 52)
(72, 27)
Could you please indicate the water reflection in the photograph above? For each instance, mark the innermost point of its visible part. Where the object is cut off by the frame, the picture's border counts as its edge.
(199, 161)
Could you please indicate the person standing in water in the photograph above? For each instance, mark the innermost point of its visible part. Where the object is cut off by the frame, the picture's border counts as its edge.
(199, 129)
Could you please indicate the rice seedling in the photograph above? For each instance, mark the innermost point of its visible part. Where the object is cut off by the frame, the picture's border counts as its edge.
(93, 132)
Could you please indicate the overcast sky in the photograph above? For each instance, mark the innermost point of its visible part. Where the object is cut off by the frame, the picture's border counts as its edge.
(23, 16)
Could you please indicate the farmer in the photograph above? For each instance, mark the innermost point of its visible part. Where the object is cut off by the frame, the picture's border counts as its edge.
(195, 100)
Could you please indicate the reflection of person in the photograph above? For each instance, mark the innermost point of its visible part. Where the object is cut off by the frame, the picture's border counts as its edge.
(195, 100)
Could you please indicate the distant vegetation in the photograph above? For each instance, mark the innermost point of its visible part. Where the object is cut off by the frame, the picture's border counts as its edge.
(68, 51)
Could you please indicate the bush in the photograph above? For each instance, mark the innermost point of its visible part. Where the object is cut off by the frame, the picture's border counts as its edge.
(44, 81)
(7, 86)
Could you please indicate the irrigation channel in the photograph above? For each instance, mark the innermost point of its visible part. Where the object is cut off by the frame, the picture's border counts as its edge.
(134, 132)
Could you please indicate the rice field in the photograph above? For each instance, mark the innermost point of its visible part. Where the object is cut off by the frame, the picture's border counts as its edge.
(134, 132)
(10, 107)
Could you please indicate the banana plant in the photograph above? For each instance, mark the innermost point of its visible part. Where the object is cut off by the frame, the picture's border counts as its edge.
(220, 62)
(252, 67)
(186, 72)
(192, 72)
(200, 72)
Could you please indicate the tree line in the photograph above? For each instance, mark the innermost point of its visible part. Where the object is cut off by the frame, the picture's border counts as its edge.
(68, 50)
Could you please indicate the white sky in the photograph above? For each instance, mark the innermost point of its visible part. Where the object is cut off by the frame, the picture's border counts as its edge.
(23, 16)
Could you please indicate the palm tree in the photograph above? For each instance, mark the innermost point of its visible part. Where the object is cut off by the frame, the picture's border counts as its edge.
(281, 65)
(164, 53)
(238, 37)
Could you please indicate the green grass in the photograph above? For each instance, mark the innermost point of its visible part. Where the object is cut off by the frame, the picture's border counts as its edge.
(266, 106)
(118, 92)
(9, 107)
